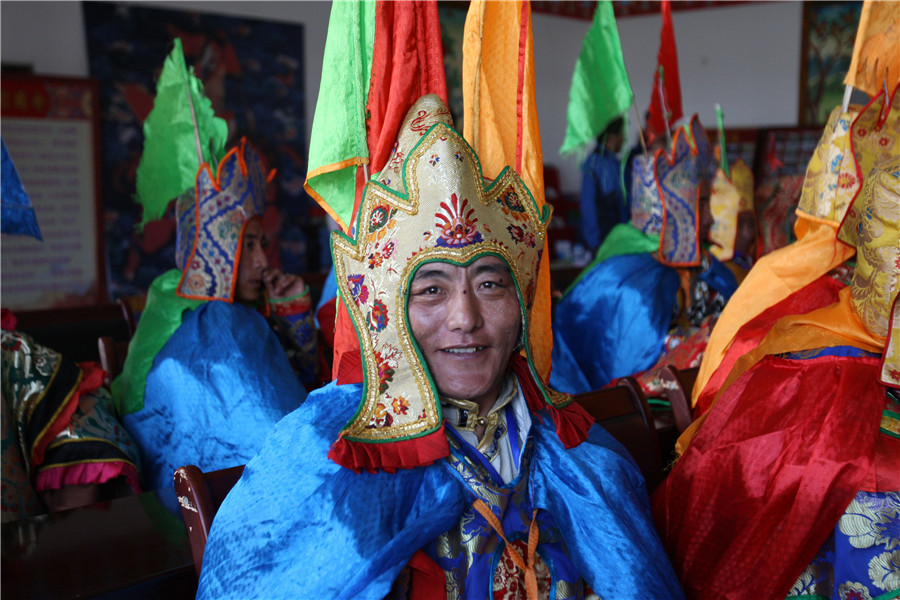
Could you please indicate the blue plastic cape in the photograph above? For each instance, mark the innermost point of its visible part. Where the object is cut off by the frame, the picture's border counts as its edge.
(299, 526)
(215, 391)
(613, 322)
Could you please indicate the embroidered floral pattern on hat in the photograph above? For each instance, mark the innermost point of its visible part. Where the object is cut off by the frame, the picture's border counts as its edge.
(646, 206)
(873, 226)
(665, 192)
(679, 177)
(224, 204)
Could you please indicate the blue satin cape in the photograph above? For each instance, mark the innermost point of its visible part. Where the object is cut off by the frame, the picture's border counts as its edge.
(298, 525)
(215, 391)
(613, 322)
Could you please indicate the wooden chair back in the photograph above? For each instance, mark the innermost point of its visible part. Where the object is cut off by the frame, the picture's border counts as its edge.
(112, 355)
(623, 411)
(200, 496)
(679, 384)
(128, 314)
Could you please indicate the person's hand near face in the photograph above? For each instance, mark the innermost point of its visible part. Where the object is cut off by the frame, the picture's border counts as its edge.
(467, 323)
(282, 285)
(254, 273)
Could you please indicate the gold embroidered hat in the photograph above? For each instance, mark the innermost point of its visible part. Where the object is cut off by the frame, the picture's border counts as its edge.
(851, 144)
(731, 195)
(872, 225)
(430, 203)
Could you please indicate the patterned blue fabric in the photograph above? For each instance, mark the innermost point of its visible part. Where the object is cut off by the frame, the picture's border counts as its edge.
(679, 181)
(602, 199)
(216, 390)
(849, 351)
(719, 277)
(613, 322)
(297, 525)
(224, 202)
(16, 212)
(861, 558)
(465, 554)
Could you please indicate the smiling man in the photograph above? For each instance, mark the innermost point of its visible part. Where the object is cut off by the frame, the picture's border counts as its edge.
(447, 469)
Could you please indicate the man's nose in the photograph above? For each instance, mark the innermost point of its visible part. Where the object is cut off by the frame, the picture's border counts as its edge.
(260, 260)
(465, 311)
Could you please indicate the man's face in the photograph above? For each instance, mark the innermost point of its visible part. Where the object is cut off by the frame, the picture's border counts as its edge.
(253, 263)
(704, 218)
(746, 233)
(466, 321)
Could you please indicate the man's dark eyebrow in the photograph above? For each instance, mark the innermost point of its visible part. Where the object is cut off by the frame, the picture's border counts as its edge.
(492, 267)
(429, 273)
(263, 239)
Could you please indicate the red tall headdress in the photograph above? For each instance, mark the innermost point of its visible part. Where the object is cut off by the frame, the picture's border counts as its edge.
(668, 108)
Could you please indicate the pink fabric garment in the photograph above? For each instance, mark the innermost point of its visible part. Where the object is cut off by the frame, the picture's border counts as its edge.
(86, 474)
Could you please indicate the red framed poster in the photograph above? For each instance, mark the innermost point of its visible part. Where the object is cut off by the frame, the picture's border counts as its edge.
(50, 126)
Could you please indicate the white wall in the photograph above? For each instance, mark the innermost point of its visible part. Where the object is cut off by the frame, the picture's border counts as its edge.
(746, 57)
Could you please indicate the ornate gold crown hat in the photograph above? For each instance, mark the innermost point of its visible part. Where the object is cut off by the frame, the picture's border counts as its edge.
(872, 225)
(222, 203)
(430, 203)
(666, 194)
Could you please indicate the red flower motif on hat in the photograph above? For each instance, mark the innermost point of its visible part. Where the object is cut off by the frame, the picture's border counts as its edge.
(386, 365)
(520, 236)
(381, 219)
(378, 316)
(375, 260)
(196, 282)
(400, 405)
(358, 291)
(512, 206)
(846, 180)
(456, 224)
(381, 418)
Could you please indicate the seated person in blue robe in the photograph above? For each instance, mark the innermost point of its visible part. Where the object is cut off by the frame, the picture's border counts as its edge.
(602, 195)
(211, 367)
(447, 469)
(651, 285)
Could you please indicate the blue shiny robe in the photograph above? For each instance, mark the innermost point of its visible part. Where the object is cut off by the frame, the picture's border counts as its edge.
(216, 390)
(602, 199)
(613, 322)
(298, 525)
